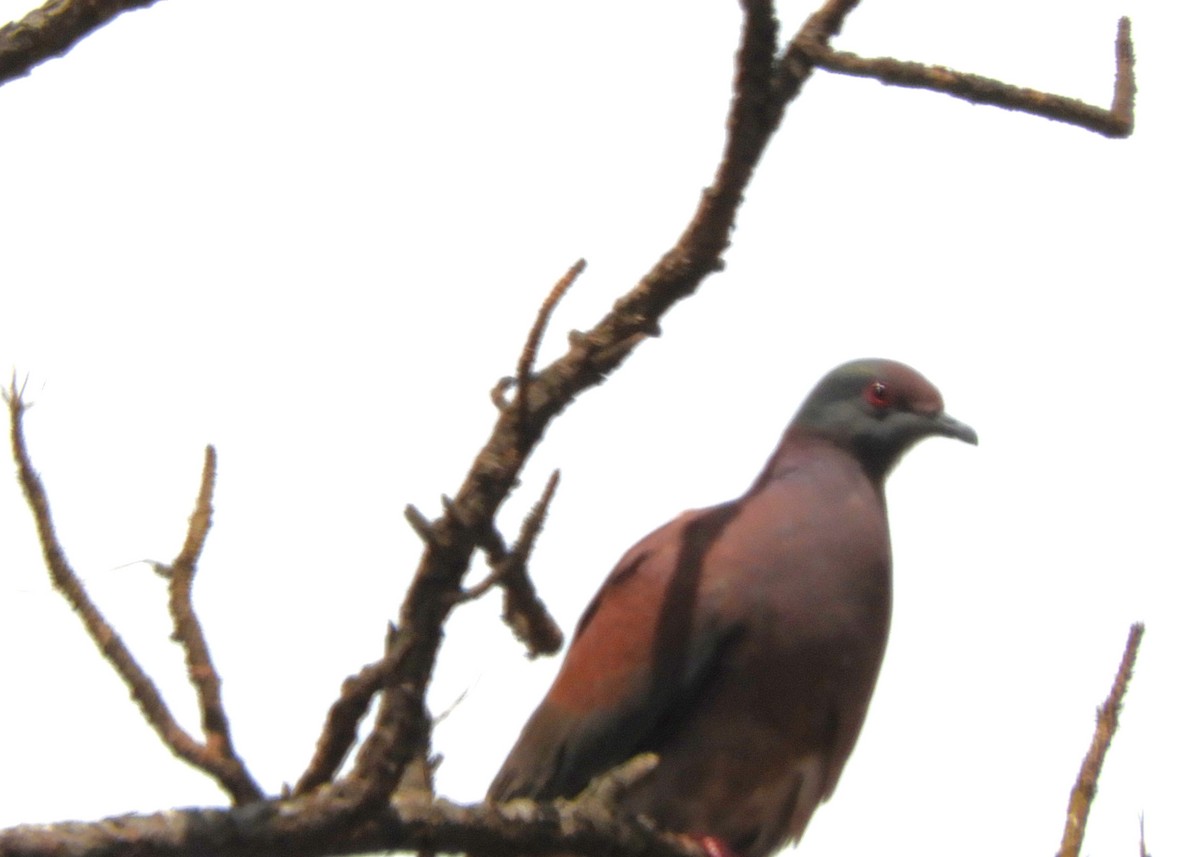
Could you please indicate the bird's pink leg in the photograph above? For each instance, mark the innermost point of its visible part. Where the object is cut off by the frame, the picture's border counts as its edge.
(714, 846)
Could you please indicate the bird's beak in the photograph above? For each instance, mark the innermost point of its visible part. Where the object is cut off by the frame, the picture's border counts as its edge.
(949, 427)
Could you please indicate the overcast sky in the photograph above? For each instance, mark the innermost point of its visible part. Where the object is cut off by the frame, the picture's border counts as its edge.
(315, 234)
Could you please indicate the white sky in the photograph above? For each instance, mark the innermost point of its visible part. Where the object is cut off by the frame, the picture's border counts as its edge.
(315, 234)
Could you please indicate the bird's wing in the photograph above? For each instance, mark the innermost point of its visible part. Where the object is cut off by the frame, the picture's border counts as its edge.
(642, 652)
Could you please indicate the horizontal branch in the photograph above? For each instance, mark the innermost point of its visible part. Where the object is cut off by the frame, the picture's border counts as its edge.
(1116, 121)
(306, 827)
(53, 29)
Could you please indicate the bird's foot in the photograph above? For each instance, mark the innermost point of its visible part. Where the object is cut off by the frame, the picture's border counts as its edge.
(714, 846)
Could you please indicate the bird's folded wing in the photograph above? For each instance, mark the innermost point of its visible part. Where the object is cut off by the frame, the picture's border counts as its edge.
(642, 652)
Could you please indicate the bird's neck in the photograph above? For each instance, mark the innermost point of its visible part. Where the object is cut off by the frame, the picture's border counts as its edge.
(800, 454)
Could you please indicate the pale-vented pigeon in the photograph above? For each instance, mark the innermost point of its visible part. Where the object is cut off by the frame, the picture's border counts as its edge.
(741, 643)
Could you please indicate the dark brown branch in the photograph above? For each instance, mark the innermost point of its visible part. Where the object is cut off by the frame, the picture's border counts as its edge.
(795, 68)
(528, 612)
(534, 340)
(401, 728)
(1084, 791)
(54, 29)
(341, 722)
(141, 687)
(419, 523)
(1114, 122)
(524, 612)
(221, 761)
(1124, 87)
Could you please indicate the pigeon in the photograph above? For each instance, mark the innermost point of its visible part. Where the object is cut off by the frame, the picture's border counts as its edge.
(741, 643)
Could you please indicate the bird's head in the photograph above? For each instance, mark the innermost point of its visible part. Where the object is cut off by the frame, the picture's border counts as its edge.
(877, 409)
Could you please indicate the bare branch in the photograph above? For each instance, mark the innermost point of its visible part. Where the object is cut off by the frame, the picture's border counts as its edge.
(524, 611)
(419, 523)
(220, 760)
(529, 352)
(1114, 122)
(214, 758)
(1106, 726)
(341, 722)
(54, 29)
(301, 827)
(401, 728)
(795, 68)
(1124, 87)
(141, 687)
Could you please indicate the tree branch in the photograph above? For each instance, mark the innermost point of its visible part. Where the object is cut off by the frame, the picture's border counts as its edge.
(524, 611)
(53, 29)
(220, 759)
(1084, 791)
(226, 770)
(534, 341)
(301, 827)
(1116, 121)
(402, 726)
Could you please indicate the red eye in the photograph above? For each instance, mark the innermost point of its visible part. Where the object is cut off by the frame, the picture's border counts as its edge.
(878, 395)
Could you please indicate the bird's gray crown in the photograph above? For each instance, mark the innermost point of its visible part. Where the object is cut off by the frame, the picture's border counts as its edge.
(877, 409)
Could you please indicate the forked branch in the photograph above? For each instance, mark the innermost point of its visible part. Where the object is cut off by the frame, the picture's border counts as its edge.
(1115, 121)
(213, 758)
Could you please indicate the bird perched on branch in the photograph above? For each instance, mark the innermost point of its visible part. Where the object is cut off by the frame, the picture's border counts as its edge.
(741, 643)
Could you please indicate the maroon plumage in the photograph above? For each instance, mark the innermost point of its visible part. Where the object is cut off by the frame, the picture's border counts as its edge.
(741, 643)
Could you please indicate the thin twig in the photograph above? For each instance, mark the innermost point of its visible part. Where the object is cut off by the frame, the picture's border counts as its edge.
(344, 716)
(1114, 122)
(53, 29)
(501, 558)
(141, 687)
(534, 340)
(1084, 791)
(222, 761)
(1124, 88)
(419, 523)
(524, 612)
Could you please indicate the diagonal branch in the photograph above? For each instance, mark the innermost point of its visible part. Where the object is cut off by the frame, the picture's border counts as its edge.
(220, 759)
(524, 612)
(67, 582)
(141, 687)
(1106, 726)
(343, 717)
(1116, 121)
(534, 341)
(401, 729)
(53, 29)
